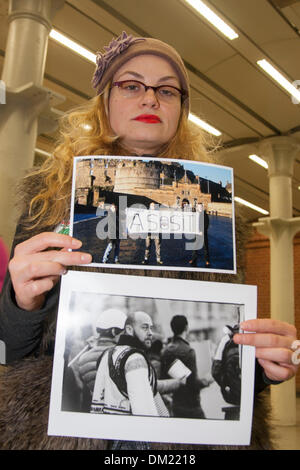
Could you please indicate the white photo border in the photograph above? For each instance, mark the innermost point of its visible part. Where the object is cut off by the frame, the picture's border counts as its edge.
(137, 428)
(153, 267)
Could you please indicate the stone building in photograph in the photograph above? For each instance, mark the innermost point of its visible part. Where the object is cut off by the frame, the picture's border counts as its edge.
(167, 184)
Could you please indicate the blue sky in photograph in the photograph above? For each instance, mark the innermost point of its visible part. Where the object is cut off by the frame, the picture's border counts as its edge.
(212, 172)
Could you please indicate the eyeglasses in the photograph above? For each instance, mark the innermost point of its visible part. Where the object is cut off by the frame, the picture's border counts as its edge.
(135, 89)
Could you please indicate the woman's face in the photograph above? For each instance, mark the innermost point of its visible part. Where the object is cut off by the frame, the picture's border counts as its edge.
(145, 123)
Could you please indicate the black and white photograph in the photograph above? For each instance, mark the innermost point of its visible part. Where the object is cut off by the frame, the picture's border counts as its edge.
(161, 366)
(154, 213)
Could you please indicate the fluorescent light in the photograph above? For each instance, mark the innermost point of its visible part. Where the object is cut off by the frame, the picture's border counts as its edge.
(279, 78)
(259, 161)
(207, 127)
(214, 19)
(252, 206)
(65, 41)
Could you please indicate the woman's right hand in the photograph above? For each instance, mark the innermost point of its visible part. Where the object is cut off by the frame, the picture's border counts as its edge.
(35, 271)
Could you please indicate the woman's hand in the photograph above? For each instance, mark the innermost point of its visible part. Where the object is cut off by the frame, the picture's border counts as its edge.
(35, 271)
(273, 340)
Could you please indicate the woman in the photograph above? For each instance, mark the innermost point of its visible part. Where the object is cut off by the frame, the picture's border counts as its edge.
(141, 108)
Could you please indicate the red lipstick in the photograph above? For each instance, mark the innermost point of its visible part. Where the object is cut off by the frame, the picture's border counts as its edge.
(148, 118)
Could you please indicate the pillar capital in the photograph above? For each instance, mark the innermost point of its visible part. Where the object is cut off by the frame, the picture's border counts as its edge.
(40, 11)
(30, 22)
(280, 153)
(275, 226)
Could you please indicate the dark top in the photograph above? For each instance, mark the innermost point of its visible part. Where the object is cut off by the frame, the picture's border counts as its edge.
(187, 395)
(22, 331)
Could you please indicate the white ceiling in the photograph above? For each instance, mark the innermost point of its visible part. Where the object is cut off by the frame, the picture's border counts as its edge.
(229, 90)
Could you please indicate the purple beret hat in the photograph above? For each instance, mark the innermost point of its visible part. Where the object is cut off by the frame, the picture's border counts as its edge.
(124, 48)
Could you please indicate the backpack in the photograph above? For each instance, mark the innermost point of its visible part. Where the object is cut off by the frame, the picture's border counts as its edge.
(116, 371)
(227, 372)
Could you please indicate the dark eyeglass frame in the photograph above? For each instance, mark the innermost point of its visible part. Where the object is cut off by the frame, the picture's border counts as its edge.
(148, 87)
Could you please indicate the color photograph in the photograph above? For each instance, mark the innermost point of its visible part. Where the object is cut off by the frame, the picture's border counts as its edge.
(156, 214)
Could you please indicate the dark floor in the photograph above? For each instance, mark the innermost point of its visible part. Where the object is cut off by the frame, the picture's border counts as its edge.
(174, 252)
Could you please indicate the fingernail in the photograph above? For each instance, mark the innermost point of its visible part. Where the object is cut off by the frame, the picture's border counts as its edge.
(76, 242)
(86, 258)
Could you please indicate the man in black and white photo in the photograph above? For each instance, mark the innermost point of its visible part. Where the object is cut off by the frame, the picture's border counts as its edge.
(186, 400)
(226, 370)
(109, 325)
(126, 381)
(80, 370)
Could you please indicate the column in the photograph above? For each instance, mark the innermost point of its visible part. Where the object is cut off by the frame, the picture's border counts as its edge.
(23, 72)
(281, 227)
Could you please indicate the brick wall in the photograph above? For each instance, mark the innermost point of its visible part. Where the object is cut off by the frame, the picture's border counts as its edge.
(258, 273)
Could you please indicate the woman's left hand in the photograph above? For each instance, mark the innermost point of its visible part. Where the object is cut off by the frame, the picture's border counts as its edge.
(273, 340)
